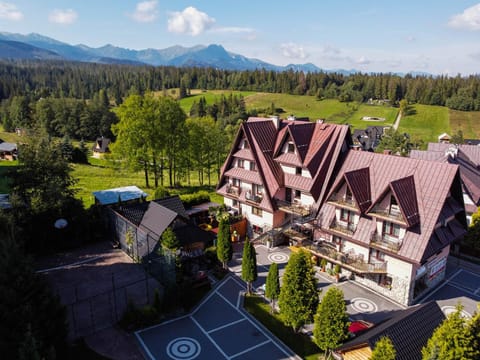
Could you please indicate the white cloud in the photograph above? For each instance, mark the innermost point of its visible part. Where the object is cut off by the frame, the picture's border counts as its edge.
(362, 60)
(10, 12)
(411, 38)
(64, 17)
(469, 19)
(190, 21)
(293, 51)
(146, 11)
(245, 32)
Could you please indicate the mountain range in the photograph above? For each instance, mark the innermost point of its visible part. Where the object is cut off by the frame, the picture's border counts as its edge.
(39, 47)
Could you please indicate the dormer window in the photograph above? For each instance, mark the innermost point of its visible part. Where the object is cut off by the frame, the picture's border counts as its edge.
(394, 208)
(245, 144)
(348, 196)
(253, 166)
(240, 163)
(298, 170)
(290, 148)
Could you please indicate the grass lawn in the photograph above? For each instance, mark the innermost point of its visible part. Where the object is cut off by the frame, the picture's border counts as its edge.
(301, 344)
(467, 121)
(426, 122)
(210, 96)
(101, 175)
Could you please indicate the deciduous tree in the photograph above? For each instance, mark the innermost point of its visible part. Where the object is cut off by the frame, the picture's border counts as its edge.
(298, 298)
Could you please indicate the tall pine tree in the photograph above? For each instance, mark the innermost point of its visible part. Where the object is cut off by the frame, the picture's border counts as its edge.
(224, 244)
(249, 265)
(272, 285)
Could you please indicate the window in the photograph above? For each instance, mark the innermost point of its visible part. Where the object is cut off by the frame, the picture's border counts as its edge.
(298, 194)
(377, 254)
(394, 208)
(257, 189)
(245, 144)
(298, 170)
(256, 211)
(253, 166)
(345, 215)
(291, 148)
(257, 229)
(240, 163)
(235, 204)
(236, 182)
(348, 195)
(391, 229)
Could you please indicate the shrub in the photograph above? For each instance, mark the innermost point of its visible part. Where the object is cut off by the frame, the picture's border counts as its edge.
(190, 200)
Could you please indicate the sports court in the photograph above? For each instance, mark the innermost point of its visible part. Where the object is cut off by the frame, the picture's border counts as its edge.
(218, 328)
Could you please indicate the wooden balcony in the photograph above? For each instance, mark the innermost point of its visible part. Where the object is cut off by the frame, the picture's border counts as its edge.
(344, 228)
(395, 216)
(385, 242)
(352, 262)
(293, 208)
(233, 190)
(343, 201)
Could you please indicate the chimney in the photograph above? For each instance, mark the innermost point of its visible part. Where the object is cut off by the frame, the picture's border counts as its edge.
(276, 121)
(387, 152)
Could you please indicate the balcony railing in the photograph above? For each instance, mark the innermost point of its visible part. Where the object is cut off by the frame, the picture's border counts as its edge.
(351, 262)
(386, 242)
(295, 208)
(234, 190)
(343, 227)
(253, 197)
(342, 200)
(388, 214)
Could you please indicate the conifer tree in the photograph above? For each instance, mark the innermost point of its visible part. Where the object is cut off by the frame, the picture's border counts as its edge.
(384, 350)
(331, 321)
(249, 265)
(272, 285)
(298, 298)
(224, 244)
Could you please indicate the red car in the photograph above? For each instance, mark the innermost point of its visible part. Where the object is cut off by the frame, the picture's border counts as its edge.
(358, 327)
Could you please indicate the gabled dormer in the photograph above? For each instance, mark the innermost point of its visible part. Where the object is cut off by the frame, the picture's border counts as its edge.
(395, 211)
(353, 191)
(398, 203)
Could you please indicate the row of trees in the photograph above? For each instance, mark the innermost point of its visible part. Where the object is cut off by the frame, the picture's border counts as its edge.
(153, 135)
(60, 117)
(82, 81)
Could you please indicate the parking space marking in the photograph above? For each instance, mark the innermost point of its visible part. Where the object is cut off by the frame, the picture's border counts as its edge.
(226, 325)
(250, 349)
(209, 337)
(440, 287)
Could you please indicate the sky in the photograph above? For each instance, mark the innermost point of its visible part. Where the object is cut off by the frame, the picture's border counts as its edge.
(433, 36)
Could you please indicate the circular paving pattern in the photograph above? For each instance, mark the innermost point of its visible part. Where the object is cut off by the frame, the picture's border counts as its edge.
(363, 305)
(278, 257)
(183, 348)
(449, 309)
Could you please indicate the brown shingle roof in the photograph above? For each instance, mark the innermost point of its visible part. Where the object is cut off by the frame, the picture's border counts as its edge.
(432, 191)
(406, 195)
(409, 331)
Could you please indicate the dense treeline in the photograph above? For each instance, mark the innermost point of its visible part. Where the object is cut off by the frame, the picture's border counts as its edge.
(84, 80)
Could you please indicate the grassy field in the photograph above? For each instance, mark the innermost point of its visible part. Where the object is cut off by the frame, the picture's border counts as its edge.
(332, 111)
(100, 175)
(467, 121)
(210, 96)
(426, 122)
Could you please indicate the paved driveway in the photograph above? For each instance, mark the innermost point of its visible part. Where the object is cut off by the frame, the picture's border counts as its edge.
(218, 328)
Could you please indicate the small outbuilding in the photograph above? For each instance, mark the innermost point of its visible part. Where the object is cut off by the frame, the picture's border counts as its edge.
(125, 194)
(100, 148)
(8, 151)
